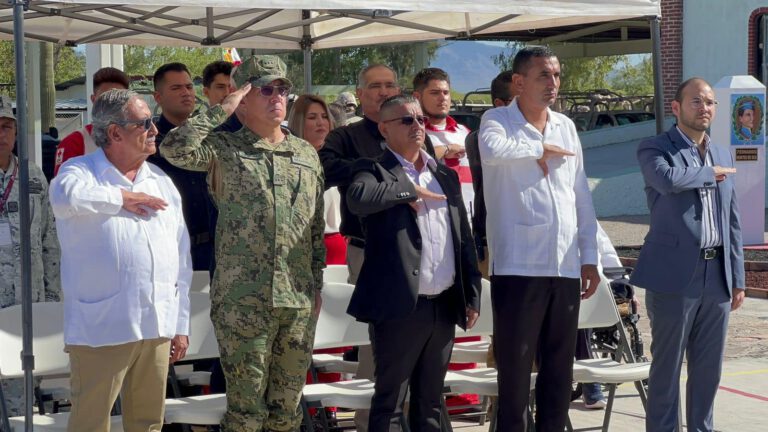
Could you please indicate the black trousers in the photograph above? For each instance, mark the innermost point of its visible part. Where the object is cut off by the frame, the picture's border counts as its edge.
(534, 315)
(413, 351)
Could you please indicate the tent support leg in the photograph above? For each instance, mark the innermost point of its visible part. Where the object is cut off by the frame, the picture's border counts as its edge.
(27, 358)
(658, 83)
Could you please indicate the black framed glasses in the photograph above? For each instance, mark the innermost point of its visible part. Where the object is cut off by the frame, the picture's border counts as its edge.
(408, 120)
(145, 123)
(268, 91)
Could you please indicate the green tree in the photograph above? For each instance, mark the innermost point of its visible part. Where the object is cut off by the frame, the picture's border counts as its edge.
(340, 66)
(7, 72)
(578, 74)
(144, 60)
(68, 63)
(634, 79)
(587, 73)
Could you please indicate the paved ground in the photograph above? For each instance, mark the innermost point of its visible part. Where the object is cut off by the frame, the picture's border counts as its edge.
(742, 403)
(611, 160)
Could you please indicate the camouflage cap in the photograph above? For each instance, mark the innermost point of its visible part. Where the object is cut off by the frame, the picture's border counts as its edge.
(260, 70)
(346, 98)
(6, 110)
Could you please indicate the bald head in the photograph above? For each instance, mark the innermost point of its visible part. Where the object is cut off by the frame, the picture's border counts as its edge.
(697, 81)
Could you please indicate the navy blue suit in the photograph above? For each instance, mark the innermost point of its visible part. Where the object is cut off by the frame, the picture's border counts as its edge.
(688, 296)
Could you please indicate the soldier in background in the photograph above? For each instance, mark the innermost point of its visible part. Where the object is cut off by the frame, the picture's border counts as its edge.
(269, 245)
(45, 246)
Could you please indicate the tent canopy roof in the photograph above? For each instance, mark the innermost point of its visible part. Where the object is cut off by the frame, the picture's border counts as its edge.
(282, 25)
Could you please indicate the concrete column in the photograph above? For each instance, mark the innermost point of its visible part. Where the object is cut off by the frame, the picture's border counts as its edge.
(97, 57)
(744, 137)
(34, 124)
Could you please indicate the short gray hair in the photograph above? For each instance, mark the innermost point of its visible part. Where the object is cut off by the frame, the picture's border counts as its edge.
(397, 101)
(361, 83)
(110, 108)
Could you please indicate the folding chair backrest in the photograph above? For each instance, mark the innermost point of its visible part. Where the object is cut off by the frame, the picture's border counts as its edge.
(600, 309)
(336, 273)
(484, 324)
(336, 328)
(201, 281)
(47, 340)
(202, 338)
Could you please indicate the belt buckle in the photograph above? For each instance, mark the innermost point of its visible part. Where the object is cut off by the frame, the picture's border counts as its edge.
(710, 253)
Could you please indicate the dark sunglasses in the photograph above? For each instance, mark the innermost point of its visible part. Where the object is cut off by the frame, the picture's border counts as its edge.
(145, 123)
(408, 120)
(268, 91)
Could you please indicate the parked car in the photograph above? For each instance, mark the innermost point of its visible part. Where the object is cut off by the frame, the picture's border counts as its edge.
(587, 121)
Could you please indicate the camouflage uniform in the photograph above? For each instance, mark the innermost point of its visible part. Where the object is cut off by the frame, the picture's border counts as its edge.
(269, 255)
(45, 258)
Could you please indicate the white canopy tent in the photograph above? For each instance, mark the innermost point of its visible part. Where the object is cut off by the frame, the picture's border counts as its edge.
(273, 24)
(287, 25)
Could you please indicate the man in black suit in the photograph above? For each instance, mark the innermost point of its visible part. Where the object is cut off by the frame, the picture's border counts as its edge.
(419, 277)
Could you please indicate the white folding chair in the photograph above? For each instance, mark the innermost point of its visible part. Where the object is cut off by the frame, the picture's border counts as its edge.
(201, 282)
(336, 273)
(332, 321)
(335, 328)
(600, 311)
(50, 358)
(480, 381)
(476, 351)
(202, 339)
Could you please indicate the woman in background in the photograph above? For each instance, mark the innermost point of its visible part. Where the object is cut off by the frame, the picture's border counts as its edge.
(311, 120)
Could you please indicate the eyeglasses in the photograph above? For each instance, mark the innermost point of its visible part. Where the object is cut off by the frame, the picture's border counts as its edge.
(697, 103)
(408, 120)
(268, 91)
(145, 123)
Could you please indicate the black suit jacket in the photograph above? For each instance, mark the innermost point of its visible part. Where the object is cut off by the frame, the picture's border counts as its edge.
(343, 146)
(388, 285)
(476, 168)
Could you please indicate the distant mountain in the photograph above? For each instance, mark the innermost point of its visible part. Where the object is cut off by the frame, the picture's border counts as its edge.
(469, 64)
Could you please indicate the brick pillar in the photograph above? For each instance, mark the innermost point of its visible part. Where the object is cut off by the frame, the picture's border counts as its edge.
(753, 53)
(671, 49)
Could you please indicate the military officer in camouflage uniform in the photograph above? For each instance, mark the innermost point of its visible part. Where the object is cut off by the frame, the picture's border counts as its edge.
(269, 245)
(45, 246)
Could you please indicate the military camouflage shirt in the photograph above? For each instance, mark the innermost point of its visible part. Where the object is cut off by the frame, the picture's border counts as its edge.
(45, 246)
(269, 235)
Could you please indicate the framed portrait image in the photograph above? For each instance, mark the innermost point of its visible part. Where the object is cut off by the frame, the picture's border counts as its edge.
(747, 119)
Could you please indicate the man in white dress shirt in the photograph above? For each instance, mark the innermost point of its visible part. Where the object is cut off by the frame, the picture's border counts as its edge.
(126, 269)
(419, 277)
(541, 230)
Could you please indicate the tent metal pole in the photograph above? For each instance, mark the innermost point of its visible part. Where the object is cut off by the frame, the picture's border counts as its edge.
(306, 46)
(27, 357)
(658, 83)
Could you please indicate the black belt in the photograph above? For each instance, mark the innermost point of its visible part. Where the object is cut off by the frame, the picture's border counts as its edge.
(711, 253)
(201, 238)
(430, 296)
(356, 242)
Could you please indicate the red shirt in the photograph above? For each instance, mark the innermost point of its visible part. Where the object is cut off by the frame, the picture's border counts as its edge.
(71, 146)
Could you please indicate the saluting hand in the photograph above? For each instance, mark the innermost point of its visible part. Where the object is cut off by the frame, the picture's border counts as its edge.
(138, 202)
(425, 194)
(232, 101)
(550, 152)
(722, 172)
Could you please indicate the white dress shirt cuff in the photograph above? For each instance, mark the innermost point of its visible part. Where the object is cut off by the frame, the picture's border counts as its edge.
(182, 327)
(589, 257)
(114, 201)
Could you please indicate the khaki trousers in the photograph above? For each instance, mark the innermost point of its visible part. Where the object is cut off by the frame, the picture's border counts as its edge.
(139, 369)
